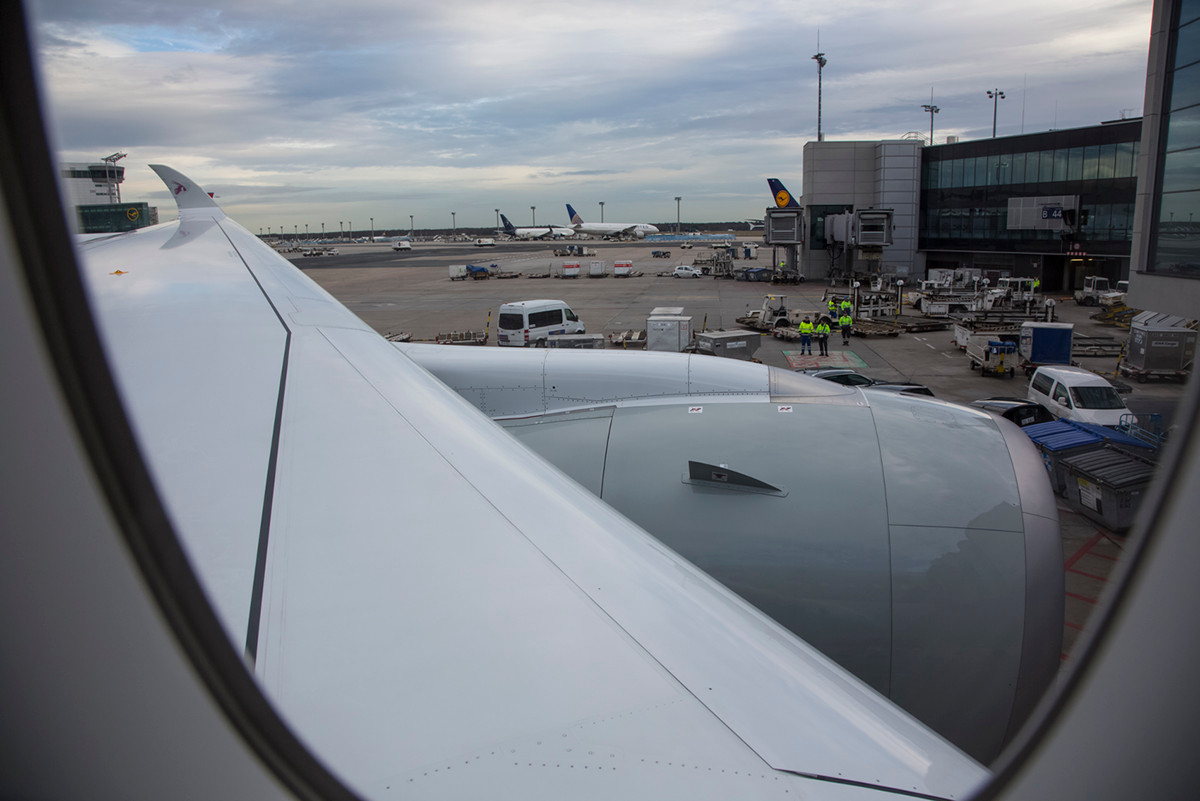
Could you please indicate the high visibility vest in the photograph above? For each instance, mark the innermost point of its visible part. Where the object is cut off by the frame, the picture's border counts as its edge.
(805, 328)
(846, 305)
(845, 319)
(832, 305)
(822, 328)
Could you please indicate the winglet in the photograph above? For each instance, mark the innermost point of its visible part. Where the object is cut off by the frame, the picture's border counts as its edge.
(187, 193)
(574, 216)
(783, 198)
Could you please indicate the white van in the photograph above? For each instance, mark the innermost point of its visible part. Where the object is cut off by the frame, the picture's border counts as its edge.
(1073, 393)
(531, 322)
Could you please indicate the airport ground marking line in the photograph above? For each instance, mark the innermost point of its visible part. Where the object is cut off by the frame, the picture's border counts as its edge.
(1086, 575)
(1083, 550)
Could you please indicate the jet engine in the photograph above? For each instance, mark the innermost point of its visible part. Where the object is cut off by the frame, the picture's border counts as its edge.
(913, 541)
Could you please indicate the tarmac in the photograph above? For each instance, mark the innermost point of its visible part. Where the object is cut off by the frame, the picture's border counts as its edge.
(411, 293)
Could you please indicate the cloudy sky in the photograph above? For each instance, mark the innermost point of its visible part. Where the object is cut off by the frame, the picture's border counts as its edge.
(297, 112)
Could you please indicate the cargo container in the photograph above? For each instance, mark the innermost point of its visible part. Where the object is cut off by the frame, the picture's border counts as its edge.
(731, 344)
(1107, 485)
(1045, 343)
(1159, 345)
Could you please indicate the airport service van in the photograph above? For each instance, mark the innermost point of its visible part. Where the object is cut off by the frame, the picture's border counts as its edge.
(1072, 393)
(485, 243)
(532, 322)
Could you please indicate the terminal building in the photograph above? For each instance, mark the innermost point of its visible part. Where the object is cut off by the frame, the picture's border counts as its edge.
(1166, 237)
(1056, 205)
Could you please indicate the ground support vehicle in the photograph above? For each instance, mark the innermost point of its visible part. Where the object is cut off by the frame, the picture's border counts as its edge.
(478, 272)
(660, 254)
(993, 357)
(1097, 291)
(773, 314)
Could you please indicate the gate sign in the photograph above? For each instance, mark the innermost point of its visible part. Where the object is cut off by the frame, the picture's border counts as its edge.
(1052, 212)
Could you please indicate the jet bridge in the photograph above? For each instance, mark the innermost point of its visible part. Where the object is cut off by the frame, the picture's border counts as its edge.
(859, 236)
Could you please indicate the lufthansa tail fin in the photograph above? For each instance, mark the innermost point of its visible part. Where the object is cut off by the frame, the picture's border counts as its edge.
(783, 198)
(574, 215)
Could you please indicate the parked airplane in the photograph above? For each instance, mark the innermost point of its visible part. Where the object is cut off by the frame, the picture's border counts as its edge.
(553, 232)
(783, 198)
(633, 230)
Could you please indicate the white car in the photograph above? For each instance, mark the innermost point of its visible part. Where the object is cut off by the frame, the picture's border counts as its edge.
(684, 271)
(1072, 393)
(402, 245)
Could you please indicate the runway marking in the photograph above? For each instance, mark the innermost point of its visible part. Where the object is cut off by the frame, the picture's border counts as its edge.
(931, 347)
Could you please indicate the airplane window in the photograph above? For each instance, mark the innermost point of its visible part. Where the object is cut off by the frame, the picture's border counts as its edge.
(320, 566)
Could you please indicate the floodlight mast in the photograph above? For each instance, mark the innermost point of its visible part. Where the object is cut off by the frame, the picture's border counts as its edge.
(932, 109)
(821, 62)
(996, 96)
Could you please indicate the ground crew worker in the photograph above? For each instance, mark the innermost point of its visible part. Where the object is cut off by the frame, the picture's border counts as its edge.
(846, 306)
(1037, 282)
(845, 321)
(832, 308)
(822, 334)
(806, 334)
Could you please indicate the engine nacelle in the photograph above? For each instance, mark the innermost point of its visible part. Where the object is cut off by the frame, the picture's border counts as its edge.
(914, 541)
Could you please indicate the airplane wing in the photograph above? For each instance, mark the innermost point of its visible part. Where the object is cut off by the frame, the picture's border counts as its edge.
(432, 607)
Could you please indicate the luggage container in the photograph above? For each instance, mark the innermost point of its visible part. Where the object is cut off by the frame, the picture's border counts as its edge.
(597, 269)
(1107, 485)
(1063, 439)
(730, 344)
(1044, 343)
(622, 269)
(570, 269)
(670, 333)
(1159, 345)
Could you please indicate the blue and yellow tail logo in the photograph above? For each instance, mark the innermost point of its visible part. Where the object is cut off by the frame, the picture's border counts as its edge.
(783, 198)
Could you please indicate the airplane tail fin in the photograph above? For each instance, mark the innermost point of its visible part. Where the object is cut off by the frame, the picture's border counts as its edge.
(783, 198)
(508, 227)
(574, 215)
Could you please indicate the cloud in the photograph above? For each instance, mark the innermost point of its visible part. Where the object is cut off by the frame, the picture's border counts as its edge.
(371, 108)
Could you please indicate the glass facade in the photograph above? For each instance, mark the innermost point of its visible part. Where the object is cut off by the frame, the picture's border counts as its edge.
(1175, 249)
(965, 189)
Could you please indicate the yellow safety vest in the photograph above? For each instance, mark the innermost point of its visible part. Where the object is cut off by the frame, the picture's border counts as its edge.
(845, 319)
(805, 328)
(822, 328)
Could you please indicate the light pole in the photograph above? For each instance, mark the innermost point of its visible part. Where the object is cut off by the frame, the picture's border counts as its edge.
(341, 231)
(533, 214)
(453, 225)
(497, 219)
(601, 211)
(295, 232)
(350, 228)
(996, 95)
(677, 199)
(932, 109)
(322, 231)
(821, 62)
(306, 231)
(410, 226)
(372, 229)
